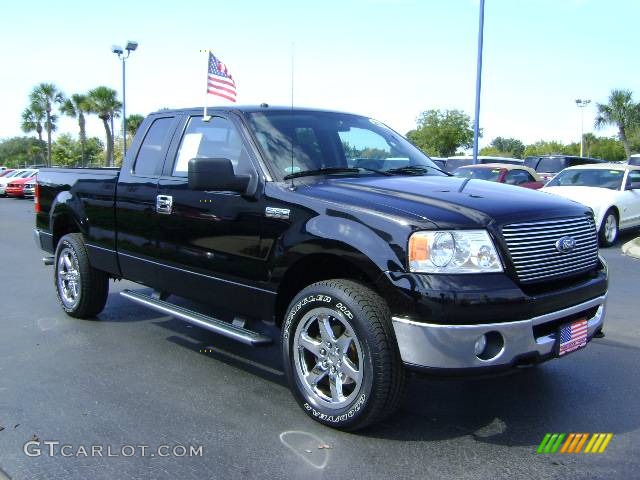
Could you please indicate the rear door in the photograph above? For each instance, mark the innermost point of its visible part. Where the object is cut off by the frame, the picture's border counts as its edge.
(136, 196)
(209, 242)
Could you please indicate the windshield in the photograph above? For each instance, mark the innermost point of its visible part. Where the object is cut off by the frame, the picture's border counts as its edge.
(490, 174)
(585, 177)
(295, 142)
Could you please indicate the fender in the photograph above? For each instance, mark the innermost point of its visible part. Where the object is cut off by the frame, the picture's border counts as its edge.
(67, 207)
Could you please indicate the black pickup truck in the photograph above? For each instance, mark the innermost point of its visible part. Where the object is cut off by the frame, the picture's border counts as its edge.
(335, 234)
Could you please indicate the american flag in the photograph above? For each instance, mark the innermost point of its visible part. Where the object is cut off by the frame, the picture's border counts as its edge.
(219, 80)
(573, 336)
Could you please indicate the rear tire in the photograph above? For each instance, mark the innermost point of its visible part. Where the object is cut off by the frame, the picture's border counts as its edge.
(609, 230)
(82, 290)
(341, 356)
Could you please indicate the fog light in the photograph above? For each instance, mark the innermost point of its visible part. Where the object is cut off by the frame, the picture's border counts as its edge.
(481, 344)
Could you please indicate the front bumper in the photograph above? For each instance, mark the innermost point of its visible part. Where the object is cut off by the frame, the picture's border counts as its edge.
(451, 347)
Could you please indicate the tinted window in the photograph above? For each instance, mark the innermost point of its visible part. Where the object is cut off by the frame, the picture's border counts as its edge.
(531, 162)
(150, 157)
(217, 138)
(551, 164)
(634, 161)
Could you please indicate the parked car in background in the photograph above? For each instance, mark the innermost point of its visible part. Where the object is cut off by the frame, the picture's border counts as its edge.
(30, 187)
(634, 160)
(15, 188)
(611, 190)
(502, 173)
(6, 172)
(24, 173)
(456, 162)
(548, 166)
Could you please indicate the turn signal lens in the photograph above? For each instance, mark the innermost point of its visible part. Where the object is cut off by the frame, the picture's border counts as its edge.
(418, 249)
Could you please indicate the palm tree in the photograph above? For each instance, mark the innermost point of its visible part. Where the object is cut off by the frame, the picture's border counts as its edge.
(622, 112)
(103, 102)
(32, 118)
(589, 140)
(133, 124)
(45, 96)
(76, 106)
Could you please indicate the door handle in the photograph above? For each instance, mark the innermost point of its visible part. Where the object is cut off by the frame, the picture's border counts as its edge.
(164, 204)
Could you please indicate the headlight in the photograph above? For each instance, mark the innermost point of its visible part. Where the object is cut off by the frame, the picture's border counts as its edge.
(463, 251)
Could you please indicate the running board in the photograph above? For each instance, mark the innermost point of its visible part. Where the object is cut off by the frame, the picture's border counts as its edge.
(214, 325)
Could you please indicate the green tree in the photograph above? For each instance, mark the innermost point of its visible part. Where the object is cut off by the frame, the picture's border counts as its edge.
(441, 133)
(32, 119)
(76, 106)
(67, 151)
(609, 149)
(20, 151)
(508, 147)
(45, 96)
(133, 124)
(104, 103)
(543, 147)
(589, 140)
(620, 111)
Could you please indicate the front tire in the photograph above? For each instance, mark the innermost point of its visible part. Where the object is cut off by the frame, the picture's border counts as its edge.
(341, 356)
(82, 290)
(609, 229)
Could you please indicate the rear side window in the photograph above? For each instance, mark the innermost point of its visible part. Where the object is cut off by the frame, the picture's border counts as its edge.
(151, 154)
(518, 177)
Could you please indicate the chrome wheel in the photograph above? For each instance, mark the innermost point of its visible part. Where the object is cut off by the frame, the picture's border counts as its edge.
(68, 273)
(610, 228)
(328, 358)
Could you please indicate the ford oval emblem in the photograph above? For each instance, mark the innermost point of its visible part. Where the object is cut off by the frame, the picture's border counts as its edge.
(566, 244)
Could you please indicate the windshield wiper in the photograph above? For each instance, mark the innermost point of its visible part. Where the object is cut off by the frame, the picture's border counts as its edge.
(330, 170)
(414, 169)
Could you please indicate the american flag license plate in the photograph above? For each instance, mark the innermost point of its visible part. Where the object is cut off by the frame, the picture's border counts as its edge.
(572, 336)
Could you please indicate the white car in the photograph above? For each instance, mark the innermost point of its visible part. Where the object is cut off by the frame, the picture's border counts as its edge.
(611, 190)
(4, 181)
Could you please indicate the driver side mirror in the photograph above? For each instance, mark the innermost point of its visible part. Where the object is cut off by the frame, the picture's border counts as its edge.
(215, 174)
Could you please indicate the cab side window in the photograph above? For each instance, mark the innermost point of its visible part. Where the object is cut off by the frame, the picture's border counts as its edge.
(150, 157)
(217, 138)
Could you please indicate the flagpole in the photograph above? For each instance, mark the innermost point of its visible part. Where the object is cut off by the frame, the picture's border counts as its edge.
(205, 117)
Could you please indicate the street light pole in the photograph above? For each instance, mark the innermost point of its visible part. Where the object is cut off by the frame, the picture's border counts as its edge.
(130, 47)
(476, 126)
(581, 103)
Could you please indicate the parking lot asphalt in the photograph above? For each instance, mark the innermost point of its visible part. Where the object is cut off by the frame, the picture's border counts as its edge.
(135, 377)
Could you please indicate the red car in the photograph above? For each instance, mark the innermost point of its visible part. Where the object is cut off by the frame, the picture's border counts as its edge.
(502, 173)
(15, 188)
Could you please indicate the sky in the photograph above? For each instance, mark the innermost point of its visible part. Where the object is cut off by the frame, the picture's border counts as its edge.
(387, 59)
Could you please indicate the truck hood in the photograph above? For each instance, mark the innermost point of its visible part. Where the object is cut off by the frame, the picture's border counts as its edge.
(447, 202)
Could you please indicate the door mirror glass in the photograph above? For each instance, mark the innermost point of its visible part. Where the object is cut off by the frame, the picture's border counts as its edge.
(215, 174)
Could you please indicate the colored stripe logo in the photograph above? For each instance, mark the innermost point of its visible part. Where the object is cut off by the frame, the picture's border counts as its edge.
(574, 443)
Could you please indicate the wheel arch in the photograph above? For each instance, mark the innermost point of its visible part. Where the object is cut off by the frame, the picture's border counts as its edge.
(312, 262)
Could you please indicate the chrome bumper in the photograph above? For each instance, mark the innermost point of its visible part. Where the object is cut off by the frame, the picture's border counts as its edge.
(452, 346)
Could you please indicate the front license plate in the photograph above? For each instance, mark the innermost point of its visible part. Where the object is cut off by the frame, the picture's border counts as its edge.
(573, 336)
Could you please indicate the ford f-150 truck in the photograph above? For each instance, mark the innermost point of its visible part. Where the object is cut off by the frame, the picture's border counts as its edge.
(333, 236)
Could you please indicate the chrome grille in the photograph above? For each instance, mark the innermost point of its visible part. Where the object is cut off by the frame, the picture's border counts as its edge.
(533, 248)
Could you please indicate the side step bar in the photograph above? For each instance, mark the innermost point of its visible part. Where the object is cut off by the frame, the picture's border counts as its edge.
(239, 334)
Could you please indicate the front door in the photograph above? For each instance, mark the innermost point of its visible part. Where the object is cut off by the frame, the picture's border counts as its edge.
(209, 242)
